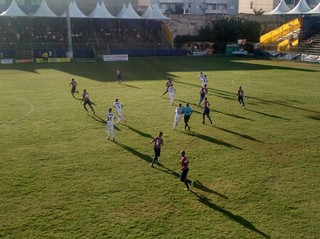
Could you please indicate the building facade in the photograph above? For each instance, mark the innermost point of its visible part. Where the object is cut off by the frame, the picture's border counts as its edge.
(198, 7)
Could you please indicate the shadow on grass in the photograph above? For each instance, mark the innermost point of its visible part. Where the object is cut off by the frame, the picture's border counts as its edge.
(198, 185)
(241, 135)
(210, 139)
(131, 86)
(167, 170)
(98, 119)
(146, 135)
(268, 115)
(317, 117)
(232, 115)
(238, 219)
(145, 157)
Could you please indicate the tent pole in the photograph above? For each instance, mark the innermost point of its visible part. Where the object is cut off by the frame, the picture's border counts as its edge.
(70, 51)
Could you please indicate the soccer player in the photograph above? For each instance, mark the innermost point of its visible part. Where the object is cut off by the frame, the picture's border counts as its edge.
(171, 91)
(177, 116)
(158, 142)
(184, 163)
(203, 91)
(86, 100)
(200, 76)
(73, 84)
(187, 111)
(240, 95)
(109, 125)
(119, 76)
(206, 111)
(118, 107)
(168, 84)
(204, 81)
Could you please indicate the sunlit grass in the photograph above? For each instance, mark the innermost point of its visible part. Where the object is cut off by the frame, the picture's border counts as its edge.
(256, 170)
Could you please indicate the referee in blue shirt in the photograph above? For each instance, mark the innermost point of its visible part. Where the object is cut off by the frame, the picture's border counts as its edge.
(187, 111)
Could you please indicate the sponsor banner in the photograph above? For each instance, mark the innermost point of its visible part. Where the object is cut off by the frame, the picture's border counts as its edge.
(199, 53)
(24, 60)
(52, 60)
(6, 61)
(123, 57)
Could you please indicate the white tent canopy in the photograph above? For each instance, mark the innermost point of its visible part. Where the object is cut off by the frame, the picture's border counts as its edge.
(44, 11)
(74, 11)
(147, 12)
(100, 11)
(156, 14)
(282, 8)
(122, 11)
(13, 11)
(315, 10)
(129, 13)
(301, 8)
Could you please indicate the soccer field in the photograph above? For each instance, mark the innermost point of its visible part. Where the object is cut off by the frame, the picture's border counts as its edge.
(256, 170)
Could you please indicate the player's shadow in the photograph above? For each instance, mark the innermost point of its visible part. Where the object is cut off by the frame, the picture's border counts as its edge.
(268, 115)
(145, 157)
(167, 170)
(210, 139)
(233, 115)
(131, 86)
(241, 135)
(198, 185)
(146, 135)
(317, 117)
(102, 121)
(76, 98)
(236, 218)
(98, 119)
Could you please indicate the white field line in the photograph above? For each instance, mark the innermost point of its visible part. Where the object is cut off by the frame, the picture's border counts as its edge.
(23, 116)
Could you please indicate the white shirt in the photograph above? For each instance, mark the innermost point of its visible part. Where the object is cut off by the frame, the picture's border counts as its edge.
(171, 90)
(179, 110)
(110, 118)
(117, 105)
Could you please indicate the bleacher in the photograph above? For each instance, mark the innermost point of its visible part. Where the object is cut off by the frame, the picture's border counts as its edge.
(90, 38)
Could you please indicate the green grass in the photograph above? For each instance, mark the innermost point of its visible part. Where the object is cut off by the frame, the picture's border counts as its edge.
(256, 170)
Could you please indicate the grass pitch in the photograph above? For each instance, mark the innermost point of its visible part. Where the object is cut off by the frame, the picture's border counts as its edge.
(256, 170)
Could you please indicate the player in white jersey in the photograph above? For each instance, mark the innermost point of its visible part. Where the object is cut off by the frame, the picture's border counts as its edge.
(171, 91)
(204, 80)
(118, 107)
(177, 116)
(200, 76)
(109, 126)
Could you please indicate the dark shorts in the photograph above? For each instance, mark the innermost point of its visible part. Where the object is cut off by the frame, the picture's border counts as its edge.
(206, 111)
(186, 118)
(73, 89)
(157, 152)
(87, 102)
(184, 174)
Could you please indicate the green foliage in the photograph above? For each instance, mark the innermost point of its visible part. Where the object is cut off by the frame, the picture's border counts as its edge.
(230, 29)
(256, 169)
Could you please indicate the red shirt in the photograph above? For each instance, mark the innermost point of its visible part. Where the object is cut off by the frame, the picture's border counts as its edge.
(158, 141)
(184, 163)
(206, 104)
(240, 92)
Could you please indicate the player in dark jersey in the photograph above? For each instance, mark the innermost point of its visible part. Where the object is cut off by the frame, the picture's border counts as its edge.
(203, 91)
(86, 100)
(240, 95)
(184, 163)
(206, 110)
(158, 142)
(73, 84)
(168, 84)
